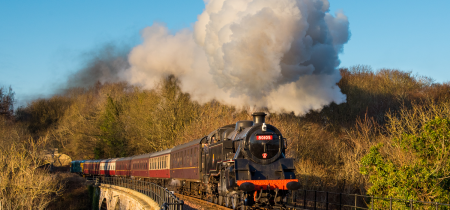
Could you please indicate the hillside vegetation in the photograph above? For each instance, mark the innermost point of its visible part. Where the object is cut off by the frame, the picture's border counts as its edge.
(390, 136)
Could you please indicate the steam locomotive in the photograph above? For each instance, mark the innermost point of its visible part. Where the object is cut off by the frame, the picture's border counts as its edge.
(237, 165)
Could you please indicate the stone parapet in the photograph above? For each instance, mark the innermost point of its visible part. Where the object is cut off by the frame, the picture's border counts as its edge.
(127, 199)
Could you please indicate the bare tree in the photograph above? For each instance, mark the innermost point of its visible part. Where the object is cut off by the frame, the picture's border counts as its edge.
(7, 102)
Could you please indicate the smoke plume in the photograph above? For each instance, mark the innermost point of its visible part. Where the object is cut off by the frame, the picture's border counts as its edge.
(282, 55)
(106, 64)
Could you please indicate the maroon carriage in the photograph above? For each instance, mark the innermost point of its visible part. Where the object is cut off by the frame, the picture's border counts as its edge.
(102, 166)
(92, 167)
(111, 167)
(123, 166)
(159, 164)
(151, 165)
(86, 167)
(185, 161)
(108, 167)
(139, 165)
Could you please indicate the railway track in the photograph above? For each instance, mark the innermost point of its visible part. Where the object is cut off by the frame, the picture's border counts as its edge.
(197, 203)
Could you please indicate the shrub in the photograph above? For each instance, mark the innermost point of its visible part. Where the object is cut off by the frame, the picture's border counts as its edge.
(426, 176)
(24, 181)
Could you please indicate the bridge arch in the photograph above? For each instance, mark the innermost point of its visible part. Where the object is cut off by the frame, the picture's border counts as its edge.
(104, 204)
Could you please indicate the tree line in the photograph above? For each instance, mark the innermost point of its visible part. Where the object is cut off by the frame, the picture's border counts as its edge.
(389, 139)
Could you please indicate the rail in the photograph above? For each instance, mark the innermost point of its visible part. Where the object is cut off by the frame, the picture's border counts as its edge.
(165, 198)
(312, 199)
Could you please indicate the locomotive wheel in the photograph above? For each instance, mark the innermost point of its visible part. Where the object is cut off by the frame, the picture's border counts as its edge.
(234, 201)
(216, 199)
(210, 198)
(228, 201)
(220, 200)
(242, 203)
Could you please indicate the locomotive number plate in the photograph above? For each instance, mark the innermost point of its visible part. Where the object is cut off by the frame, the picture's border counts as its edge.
(264, 137)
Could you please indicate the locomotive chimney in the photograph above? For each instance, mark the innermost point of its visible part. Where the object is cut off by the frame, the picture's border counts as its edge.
(259, 117)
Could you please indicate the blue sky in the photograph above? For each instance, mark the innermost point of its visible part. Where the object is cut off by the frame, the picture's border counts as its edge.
(43, 42)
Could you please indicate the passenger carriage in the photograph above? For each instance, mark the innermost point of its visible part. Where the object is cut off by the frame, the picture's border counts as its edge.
(123, 166)
(159, 164)
(184, 161)
(111, 167)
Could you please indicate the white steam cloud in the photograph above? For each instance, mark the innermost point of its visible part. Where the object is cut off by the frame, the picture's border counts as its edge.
(281, 54)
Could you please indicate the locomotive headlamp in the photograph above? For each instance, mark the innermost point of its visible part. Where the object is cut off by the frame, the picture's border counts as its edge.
(264, 127)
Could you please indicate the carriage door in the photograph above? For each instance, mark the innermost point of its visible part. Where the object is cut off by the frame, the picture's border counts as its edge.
(203, 161)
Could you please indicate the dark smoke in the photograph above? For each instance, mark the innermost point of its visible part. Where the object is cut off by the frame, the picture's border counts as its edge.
(106, 64)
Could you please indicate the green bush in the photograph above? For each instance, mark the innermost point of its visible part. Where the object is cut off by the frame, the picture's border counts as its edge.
(425, 176)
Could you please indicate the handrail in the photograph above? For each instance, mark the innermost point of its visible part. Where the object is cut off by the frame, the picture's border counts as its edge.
(356, 201)
(165, 198)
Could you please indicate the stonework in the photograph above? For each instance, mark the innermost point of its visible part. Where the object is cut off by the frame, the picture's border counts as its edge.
(119, 198)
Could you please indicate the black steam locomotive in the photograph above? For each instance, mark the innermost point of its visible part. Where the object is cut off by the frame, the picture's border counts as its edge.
(237, 165)
(245, 164)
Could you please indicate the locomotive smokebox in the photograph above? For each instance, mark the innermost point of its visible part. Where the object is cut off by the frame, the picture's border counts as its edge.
(259, 118)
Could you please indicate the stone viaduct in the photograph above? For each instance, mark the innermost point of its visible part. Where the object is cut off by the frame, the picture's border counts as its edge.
(113, 197)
